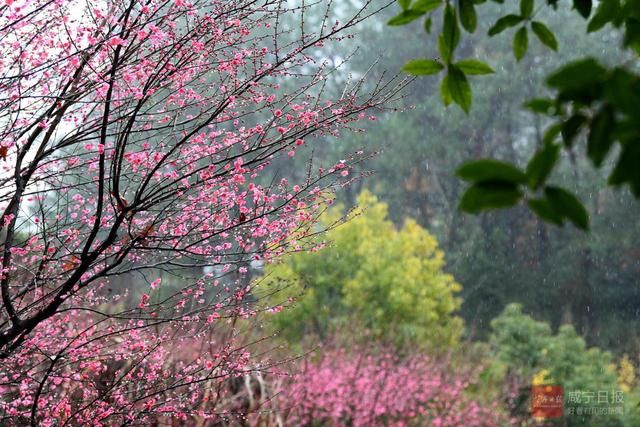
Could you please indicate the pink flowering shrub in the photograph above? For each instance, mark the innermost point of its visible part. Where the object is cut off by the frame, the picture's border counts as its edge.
(364, 389)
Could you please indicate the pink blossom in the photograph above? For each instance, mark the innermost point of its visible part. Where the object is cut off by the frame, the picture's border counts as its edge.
(117, 41)
(156, 283)
(144, 300)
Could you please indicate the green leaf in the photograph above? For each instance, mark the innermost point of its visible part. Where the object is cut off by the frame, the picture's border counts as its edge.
(568, 205)
(459, 88)
(404, 4)
(468, 16)
(578, 74)
(520, 41)
(422, 67)
(450, 32)
(427, 25)
(571, 127)
(490, 195)
(427, 5)
(632, 33)
(545, 35)
(583, 7)
(606, 12)
(600, 139)
(552, 133)
(445, 54)
(474, 67)
(541, 105)
(627, 170)
(505, 22)
(405, 17)
(526, 8)
(622, 90)
(625, 130)
(490, 170)
(543, 209)
(541, 164)
(445, 95)
(631, 9)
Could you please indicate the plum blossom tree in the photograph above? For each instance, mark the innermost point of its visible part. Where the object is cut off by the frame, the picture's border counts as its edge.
(138, 136)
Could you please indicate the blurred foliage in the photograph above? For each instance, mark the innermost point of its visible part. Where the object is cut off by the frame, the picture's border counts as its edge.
(519, 339)
(387, 281)
(626, 373)
(530, 349)
(530, 346)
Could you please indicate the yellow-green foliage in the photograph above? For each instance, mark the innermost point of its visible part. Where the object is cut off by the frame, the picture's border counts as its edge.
(373, 276)
(626, 374)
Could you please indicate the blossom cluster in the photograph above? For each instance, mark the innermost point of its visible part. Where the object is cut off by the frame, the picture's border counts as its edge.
(362, 388)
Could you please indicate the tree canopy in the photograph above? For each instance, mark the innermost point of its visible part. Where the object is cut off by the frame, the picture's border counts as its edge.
(386, 280)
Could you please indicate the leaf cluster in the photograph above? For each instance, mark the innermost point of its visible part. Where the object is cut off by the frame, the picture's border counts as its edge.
(589, 99)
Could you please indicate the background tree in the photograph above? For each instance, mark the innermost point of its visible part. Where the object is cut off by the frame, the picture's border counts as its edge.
(529, 348)
(388, 281)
